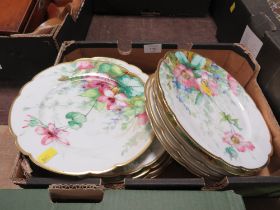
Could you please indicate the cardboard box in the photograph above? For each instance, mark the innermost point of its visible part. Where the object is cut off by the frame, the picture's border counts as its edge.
(23, 55)
(232, 17)
(234, 59)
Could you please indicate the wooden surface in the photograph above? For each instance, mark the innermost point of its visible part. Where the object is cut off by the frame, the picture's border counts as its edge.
(13, 15)
(8, 154)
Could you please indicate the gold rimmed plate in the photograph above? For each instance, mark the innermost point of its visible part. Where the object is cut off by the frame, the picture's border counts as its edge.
(214, 111)
(83, 117)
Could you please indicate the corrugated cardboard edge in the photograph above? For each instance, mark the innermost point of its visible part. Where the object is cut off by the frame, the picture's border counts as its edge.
(87, 192)
(63, 47)
(26, 168)
(28, 35)
(216, 185)
(16, 168)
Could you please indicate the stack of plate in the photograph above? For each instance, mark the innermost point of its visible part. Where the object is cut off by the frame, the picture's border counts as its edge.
(88, 117)
(204, 118)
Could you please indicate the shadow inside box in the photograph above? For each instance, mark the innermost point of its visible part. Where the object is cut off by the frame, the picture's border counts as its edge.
(28, 175)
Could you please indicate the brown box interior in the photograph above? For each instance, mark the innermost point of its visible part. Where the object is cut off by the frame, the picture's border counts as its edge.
(236, 65)
(245, 70)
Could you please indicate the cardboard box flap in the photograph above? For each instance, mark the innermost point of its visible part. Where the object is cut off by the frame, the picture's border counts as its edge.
(76, 192)
(75, 26)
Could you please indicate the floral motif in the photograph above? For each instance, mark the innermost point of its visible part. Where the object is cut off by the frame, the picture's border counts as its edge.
(84, 65)
(113, 100)
(208, 85)
(142, 118)
(185, 77)
(198, 80)
(51, 134)
(97, 82)
(106, 87)
(237, 141)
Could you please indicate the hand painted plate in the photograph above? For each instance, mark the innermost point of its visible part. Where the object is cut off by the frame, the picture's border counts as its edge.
(214, 110)
(182, 153)
(84, 117)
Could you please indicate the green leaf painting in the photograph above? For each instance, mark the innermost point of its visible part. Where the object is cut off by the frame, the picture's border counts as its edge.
(230, 120)
(198, 62)
(232, 153)
(104, 68)
(130, 86)
(198, 98)
(33, 121)
(182, 58)
(91, 93)
(76, 119)
(110, 69)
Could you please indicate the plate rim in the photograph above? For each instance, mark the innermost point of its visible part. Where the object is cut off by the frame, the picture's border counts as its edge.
(219, 159)
(54, 170)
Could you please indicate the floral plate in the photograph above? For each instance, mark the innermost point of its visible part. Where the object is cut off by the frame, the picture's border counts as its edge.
(83, 117)
(167, 137)
(214, 111)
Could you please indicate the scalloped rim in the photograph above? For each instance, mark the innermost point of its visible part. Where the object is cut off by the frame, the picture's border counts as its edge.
(219, 159)
(89, 172)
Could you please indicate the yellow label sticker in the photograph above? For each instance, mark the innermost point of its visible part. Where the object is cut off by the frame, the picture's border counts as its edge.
(47, 155)
(232, 7)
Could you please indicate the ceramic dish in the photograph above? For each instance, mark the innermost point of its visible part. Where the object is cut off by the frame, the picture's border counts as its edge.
(182, 143)
(83, 117)
(188, 156)
(214, 111)
(160, 132)
(148, 158)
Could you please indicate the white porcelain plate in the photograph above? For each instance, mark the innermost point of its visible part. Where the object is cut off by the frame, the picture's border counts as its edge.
(214, 110)
(87, 116)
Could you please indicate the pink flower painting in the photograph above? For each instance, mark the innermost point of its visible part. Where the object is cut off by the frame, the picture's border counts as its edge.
(185, 77)
(207, 85)
(101, 84)
(142, 118)
(237, 141)
(114, 101)
(52, 134)
(84, 65)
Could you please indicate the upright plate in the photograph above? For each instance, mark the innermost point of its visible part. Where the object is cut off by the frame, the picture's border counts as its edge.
(84, 117)
(214, 111)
